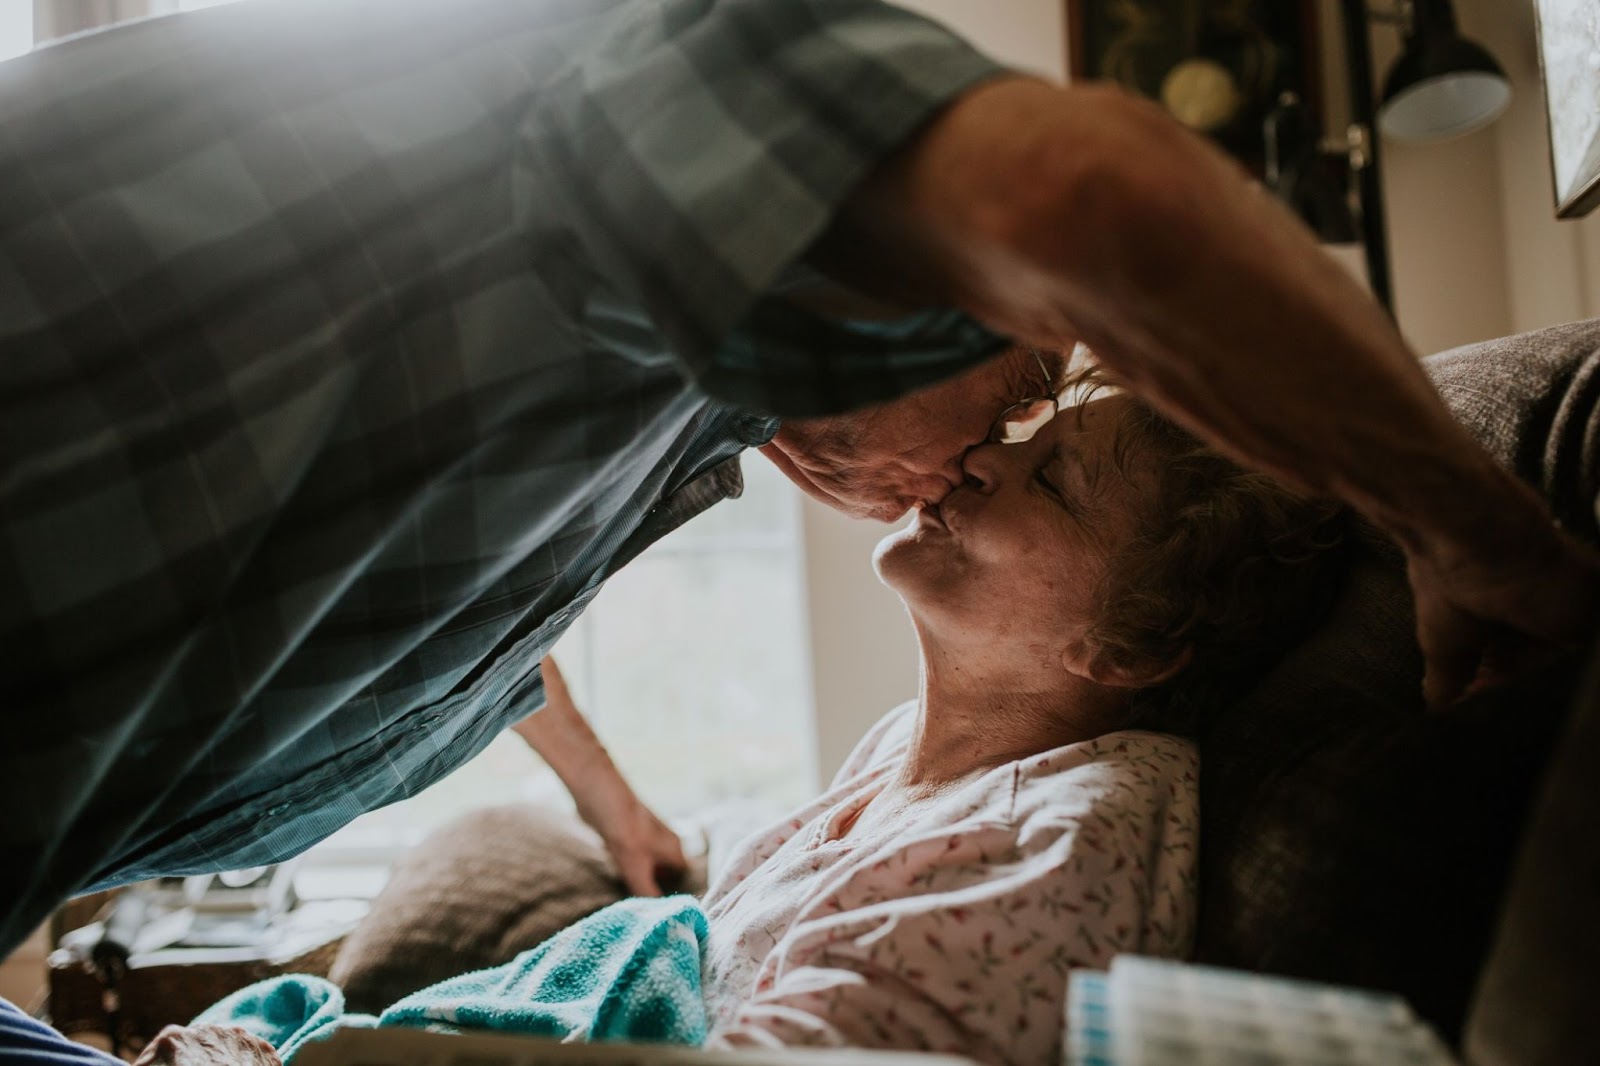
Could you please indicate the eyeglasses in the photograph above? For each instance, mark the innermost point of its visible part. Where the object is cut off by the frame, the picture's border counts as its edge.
(1019, 422)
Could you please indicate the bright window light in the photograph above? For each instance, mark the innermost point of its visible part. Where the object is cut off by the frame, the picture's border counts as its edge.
(16, 27)
(719, 719)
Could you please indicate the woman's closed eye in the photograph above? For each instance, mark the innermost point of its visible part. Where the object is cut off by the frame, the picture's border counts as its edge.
(1069, 503)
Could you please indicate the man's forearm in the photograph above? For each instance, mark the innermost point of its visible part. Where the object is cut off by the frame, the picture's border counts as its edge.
(646, 850)
(1058, 215)
(563, 738)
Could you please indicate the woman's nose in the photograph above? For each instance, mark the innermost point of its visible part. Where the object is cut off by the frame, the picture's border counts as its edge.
(982, 466)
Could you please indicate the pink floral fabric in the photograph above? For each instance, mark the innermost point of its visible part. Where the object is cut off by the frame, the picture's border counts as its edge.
(955, 929)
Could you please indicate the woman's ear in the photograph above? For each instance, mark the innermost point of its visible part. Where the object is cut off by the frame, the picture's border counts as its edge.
(1091, 662)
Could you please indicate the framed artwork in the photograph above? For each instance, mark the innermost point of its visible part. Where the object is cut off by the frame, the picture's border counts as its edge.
(1569, 55)
(1217, 65)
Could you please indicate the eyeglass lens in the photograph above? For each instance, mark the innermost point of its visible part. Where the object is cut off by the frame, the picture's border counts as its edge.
(1020, 421)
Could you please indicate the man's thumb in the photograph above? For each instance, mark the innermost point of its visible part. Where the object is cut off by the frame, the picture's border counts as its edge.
(1452, 649)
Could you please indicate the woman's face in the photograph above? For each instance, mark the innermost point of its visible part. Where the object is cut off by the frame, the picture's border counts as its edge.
(1016, 551)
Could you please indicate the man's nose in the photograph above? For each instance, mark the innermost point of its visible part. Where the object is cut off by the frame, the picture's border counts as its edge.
(952, 471)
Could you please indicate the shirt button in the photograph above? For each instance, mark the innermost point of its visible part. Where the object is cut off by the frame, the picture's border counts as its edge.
(277, 809)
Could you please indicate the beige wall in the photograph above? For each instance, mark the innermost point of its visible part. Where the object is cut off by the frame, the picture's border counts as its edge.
(23, 974)
(59, 18)
(863, 655)
(1028, 34)
(1552, 267)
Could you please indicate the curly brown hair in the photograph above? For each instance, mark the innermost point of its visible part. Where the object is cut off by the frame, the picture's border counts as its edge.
(1227, 563)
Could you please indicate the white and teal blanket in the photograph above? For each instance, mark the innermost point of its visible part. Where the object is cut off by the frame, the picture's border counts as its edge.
(630, 972)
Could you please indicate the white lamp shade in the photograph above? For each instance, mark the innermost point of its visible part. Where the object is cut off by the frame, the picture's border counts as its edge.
(1445, 106)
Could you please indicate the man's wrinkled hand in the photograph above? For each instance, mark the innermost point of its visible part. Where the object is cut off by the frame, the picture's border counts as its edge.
(1477, 625)
(648, 853)
(207, 1045)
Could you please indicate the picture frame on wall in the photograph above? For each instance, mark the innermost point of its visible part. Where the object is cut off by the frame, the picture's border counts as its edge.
(1218, 66)
(1569, 58)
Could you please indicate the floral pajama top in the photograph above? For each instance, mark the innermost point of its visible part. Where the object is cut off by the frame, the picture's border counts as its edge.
(955, 930)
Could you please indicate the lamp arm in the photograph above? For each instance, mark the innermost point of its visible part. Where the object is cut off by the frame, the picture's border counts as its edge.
(1402, 14)
(1358, 58)
(1433, 18)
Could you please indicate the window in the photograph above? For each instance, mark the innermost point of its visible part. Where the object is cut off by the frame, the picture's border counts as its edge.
(16, 28)
(691, 664)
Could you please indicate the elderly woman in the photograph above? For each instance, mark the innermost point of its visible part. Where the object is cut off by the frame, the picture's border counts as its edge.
(1013, 823)
(1096, 581)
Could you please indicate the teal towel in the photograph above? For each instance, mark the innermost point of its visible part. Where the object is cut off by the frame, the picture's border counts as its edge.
(630, 972)
(286, 1011)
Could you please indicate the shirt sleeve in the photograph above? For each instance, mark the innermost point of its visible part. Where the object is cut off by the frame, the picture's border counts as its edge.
(961, 941)
(26, 1042)
(699, 149)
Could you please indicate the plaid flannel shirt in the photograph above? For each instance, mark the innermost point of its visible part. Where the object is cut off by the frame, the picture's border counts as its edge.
(346, 346)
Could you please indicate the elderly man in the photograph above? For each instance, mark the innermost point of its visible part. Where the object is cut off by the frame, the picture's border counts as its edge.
(347, 348)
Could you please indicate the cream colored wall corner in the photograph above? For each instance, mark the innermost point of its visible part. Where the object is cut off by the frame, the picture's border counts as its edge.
(1552, 266)
(1027, 34)
(59, 18)
(863, 655)
(23, 974)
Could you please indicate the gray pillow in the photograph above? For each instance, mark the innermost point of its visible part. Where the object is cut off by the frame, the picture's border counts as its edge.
(1533, 401)
(1347, 836)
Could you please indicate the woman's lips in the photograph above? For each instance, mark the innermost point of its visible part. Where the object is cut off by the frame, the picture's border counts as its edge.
(930, 515)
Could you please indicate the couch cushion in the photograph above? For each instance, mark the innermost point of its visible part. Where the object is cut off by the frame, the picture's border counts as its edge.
(1348, 836)
(475, 893)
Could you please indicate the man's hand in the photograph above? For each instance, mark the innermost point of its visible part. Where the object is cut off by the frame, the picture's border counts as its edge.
(882, 461)
(1477, 627)
(207, 1045)
(647, 852)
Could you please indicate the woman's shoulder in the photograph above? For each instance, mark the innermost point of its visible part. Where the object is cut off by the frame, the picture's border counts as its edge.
(1126, 774)
(1122, 805)
(1126, 753)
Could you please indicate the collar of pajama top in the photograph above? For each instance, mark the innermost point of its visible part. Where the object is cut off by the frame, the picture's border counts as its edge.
(349, 345)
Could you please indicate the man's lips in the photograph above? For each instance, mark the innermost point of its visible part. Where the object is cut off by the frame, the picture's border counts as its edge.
(929, 515)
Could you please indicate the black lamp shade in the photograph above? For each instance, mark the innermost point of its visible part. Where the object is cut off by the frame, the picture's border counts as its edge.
(1442, 86)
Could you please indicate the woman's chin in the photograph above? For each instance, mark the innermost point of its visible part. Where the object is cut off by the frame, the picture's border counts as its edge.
(905, 555)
